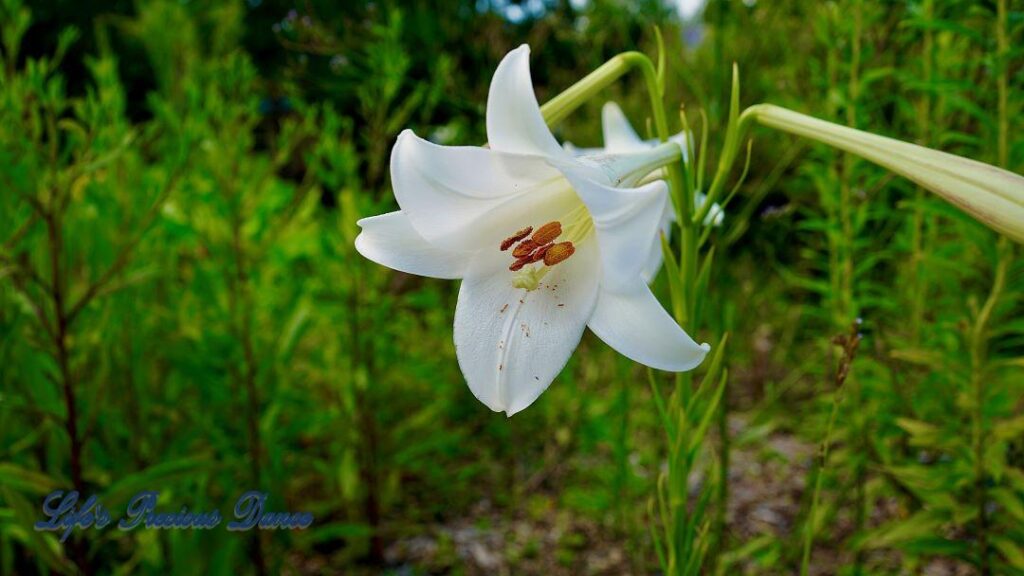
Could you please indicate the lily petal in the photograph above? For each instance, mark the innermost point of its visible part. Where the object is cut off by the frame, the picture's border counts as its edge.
(625, 220)
(447, 192)
(514, 121)
(512, 343)
(623, 169)
(390, 240)
(656, 255)
(618, 133)
(576, 151)
(633, 322)
(628, 317)
(715, 217)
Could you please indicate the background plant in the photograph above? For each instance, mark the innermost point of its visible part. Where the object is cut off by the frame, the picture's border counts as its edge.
(181, 307)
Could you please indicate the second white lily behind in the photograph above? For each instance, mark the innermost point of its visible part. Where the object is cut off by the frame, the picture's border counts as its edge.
(620, 137)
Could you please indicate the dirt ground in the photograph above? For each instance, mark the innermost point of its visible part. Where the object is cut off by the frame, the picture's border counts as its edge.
(767, 481)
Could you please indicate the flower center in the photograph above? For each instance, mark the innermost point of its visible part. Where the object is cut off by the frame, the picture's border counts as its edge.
(535, 252)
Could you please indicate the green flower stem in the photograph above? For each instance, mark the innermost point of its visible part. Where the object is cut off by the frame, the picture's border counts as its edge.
(559, 107)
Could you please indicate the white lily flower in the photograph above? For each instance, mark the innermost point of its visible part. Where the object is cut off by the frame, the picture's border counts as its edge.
(620, 137)
(545, 244)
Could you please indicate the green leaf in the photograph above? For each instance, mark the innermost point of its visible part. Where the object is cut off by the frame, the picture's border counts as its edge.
(296, 326)
(153, 478)
(697, 437)
(339, 531)
(675, 282)
(921, 433)
(1010, 501)
(703, 279)
(661, 62)
(42, 544)
(1008, 429)
(25, 480)
(924, 523)
(1010, 550)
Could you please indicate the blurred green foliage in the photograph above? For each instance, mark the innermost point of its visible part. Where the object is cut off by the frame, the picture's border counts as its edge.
(182, 308)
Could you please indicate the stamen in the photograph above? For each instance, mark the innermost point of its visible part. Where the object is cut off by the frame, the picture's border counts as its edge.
(538, 254)
(508, 242)
(539, 247)
(518, 264)
(547, 233)
(558, 253)
(524, 249)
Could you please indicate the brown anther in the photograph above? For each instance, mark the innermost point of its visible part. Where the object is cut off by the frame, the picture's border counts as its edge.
(547, 233)
(538, 254)
(508, 242)
(525, 248)
(558, 253)
(518, 264)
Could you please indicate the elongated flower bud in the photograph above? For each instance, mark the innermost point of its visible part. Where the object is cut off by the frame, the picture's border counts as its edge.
(992, 195)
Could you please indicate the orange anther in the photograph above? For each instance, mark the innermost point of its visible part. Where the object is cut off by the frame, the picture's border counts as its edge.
(525, 248)
(547, 233)
(558, 252)
(518, 264)
(538, 254)
(508, 242)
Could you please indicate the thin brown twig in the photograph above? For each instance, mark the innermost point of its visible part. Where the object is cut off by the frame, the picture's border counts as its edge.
(21, 231)
(40, 314)
(849, 343)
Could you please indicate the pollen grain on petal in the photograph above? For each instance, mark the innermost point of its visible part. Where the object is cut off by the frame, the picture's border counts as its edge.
(525, 248)
(558, 253)
(508, 242)
(547, 233)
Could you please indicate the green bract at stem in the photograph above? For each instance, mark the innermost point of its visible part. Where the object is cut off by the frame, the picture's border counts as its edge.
(735, 130)
(991, 195)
